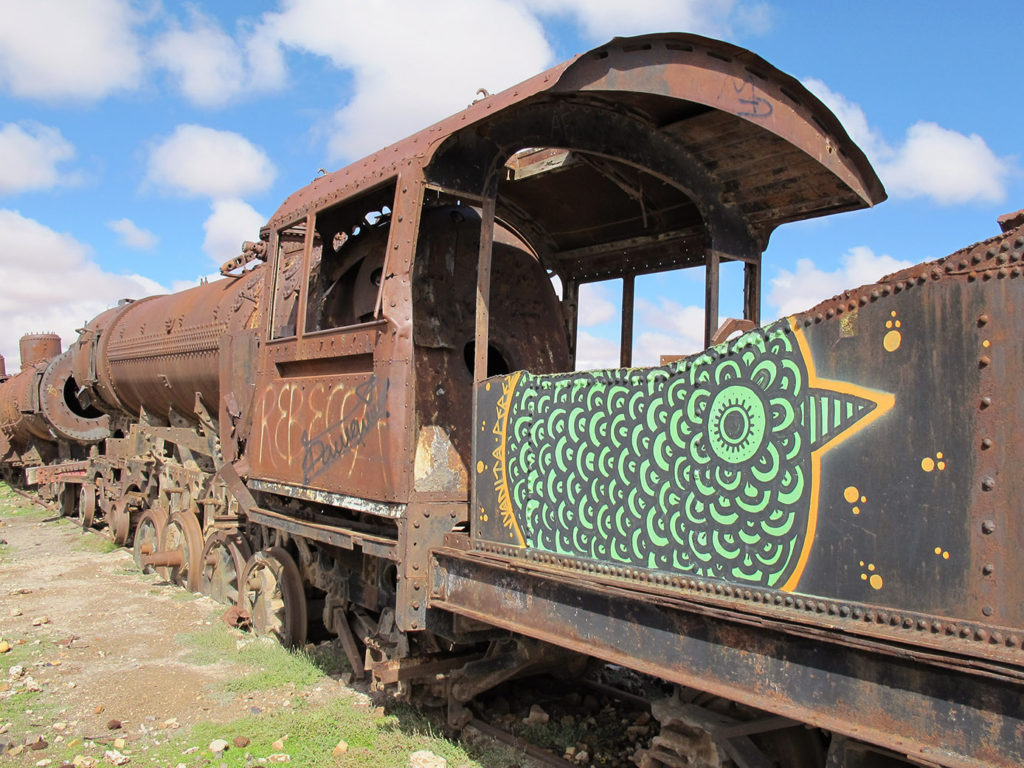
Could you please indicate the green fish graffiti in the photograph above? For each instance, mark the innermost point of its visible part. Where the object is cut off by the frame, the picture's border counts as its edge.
(709, 466)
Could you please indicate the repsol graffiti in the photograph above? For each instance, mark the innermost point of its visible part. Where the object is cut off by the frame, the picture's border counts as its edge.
(709, 466)
(311, 426)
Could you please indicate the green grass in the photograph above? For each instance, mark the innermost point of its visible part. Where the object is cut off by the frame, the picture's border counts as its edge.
(15, 709)
(211, 645)
(15, 505)
(93, 542)
(271, 666)
(374, 740)
(555, 735)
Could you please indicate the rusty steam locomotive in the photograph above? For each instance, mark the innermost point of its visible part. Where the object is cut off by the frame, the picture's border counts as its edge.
(372, 426)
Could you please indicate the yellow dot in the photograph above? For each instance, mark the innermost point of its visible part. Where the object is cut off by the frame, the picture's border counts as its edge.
(899, 324)
(876, 581)
(487, 386)
(851, 493)
(938, 455)
(941, 465)
(479, 467)
(856, 510)
(927, 464)
(938, 550)
(484, 518)
(891, 341)
(863, 577)
(863, 499)
(986, 343)
(893, 313)
(871, 566)
(945, 555)
(861, 563)
(888, 323)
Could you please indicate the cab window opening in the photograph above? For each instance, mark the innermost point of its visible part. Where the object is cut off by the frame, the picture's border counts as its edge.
(346, 276)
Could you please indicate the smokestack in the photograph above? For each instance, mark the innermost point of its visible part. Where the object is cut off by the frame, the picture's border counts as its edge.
(38, 348)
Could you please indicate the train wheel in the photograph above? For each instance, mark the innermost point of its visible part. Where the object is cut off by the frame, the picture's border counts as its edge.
(87, 506)
(184, 534)
(120, 520)
(224, 559)
(148, 536)
(272, 594)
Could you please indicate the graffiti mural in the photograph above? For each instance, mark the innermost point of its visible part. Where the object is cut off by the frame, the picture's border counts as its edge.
(709, 466)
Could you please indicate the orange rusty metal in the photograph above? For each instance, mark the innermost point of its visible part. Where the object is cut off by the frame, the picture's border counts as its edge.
(38, 348)
(158, 353)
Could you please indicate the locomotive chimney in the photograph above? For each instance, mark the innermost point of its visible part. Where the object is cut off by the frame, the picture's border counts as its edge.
(3, 368)
(38, 348)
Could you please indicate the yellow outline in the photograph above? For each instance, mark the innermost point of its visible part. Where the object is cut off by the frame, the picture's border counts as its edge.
(508, 514)
(883, 401)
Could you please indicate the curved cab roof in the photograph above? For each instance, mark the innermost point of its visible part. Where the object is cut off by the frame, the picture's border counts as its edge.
(635, 157)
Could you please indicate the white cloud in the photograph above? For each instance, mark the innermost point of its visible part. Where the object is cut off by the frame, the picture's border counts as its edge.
(667, 328)
(594, 305)
(81, 50)
(948, 166)
(29, 156)
(204, 162)
(132, 235)
(802, 289)
(932, 161)
(408, 75)
(662, 327)
(212, 68)
(603, 19)
(230, 222)
(595, 352)
(54, 284)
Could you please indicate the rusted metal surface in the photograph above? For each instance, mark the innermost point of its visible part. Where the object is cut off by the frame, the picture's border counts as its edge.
(158, 353)
(25, 437)
(38, 348)
(60, 407)
(863, 691)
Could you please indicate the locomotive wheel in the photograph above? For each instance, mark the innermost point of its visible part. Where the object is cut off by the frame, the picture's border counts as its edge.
(273, 596)
(87, 506)
(184, 534)
(120, 520)
(224, 559)
(149, 536)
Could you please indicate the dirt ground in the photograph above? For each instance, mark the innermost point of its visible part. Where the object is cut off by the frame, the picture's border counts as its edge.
(102, 642)
(97, 641)
(113, 628)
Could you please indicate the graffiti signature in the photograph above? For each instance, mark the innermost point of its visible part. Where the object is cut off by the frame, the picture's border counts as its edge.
(757, 106)
(324, 448)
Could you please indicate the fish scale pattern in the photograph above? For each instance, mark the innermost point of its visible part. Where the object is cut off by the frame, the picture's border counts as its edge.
(699, 467)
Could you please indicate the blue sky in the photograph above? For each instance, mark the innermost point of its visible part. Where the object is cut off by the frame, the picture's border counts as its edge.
(141, 142)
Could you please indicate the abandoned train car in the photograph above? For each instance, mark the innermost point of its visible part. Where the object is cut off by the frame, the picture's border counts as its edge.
(373, 426)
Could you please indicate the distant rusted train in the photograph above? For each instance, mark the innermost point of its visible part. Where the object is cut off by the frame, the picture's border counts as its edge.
(379, 432)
